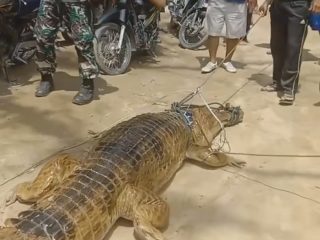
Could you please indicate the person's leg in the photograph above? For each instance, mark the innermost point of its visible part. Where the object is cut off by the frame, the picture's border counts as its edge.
(231, 47)
(83, 38)
(46, 29)
(236, 23)
(277, 45)
(249, 22)
(297, 30)
(213, 44)
(215, 22)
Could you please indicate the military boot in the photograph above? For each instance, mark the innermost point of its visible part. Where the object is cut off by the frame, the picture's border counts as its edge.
(46, 85)
(85, 94)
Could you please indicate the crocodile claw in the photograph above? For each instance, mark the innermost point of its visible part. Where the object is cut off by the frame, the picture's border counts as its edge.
(237, 163)
(11, 199)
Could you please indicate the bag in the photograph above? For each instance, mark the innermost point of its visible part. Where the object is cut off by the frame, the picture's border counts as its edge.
(314, 21)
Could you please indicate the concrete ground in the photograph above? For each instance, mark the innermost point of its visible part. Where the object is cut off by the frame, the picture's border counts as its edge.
(271, 198)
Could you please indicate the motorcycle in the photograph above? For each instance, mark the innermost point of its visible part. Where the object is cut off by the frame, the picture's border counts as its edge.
(17, 41)
(120, 31)
(177, 9)
(190, 16)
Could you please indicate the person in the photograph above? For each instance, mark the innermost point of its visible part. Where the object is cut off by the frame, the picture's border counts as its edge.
(232, 14)
(289, 24)
(249, 23)
(46, 29)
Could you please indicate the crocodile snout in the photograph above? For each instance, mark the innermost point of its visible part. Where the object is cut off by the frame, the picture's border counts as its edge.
(236, 115)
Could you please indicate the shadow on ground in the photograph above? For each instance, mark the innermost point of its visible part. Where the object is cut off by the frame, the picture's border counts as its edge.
(66, 82)
(192, 208)
(4, 88)
(263, 45)
(264, 80)
(261, 79)
(18, 116)
(306, 55)
(317, 104)
(62, 81)
(19, 75)
(282, 173)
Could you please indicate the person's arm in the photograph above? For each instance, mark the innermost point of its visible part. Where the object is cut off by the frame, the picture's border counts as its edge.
(95, 3)
(315, 6)
(252, 4)
(159, 3)
(263, 9)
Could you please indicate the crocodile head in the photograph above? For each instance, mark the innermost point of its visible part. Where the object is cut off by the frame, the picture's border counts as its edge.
(205, 126)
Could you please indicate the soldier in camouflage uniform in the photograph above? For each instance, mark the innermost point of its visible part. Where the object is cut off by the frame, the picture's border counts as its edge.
(46, 29)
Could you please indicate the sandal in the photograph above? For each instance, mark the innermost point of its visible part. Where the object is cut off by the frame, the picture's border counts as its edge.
(271, 88)
(286, 99)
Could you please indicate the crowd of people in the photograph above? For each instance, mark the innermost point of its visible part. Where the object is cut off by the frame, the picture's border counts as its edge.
(46, 29)
(228, 19)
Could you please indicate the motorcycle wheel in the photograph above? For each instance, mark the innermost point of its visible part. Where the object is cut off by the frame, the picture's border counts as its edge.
(110, 60)
(192, 37)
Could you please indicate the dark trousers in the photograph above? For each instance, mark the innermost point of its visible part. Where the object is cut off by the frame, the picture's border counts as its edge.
(249, 20)
(47, 27)
(288, 32)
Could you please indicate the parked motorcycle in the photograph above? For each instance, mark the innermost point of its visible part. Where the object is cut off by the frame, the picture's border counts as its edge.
(17, 40)
(17, 20)
(120, 31)
(177, 9)
(190, 15)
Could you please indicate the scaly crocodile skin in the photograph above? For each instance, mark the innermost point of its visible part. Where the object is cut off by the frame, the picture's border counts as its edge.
(119, 178)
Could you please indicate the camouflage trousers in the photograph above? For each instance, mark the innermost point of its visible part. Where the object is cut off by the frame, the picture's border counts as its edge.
(47, 27)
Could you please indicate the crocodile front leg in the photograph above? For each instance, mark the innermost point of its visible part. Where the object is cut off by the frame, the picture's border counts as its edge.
(52, 174)
(148, 212)
(214, 159)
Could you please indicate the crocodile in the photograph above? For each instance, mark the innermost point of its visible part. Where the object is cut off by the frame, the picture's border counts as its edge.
(122, 176)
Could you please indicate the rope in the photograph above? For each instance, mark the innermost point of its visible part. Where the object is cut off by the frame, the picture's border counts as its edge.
(223, 136)
(273, 187)
(184, 100)
(274, 155)
(231, 51)
(223, 139)
(198, 89)
(37, 164)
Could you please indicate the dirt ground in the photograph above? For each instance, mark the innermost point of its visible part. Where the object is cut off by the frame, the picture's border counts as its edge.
(271, 198)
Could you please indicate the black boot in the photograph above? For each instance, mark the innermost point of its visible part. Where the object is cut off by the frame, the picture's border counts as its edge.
(85, 94)
(46, 85)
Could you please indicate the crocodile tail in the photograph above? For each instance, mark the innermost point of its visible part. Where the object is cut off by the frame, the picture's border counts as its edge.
(10, 234)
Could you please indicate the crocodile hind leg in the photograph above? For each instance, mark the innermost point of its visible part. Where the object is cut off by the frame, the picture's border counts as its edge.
(148, 212)
(10, 234)
(53, 173)
(214, 159)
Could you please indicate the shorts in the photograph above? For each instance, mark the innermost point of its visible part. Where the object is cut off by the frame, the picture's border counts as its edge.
(227, 18)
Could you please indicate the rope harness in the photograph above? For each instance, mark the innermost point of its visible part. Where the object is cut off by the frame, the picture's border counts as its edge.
(187, 116)
(223, 136)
